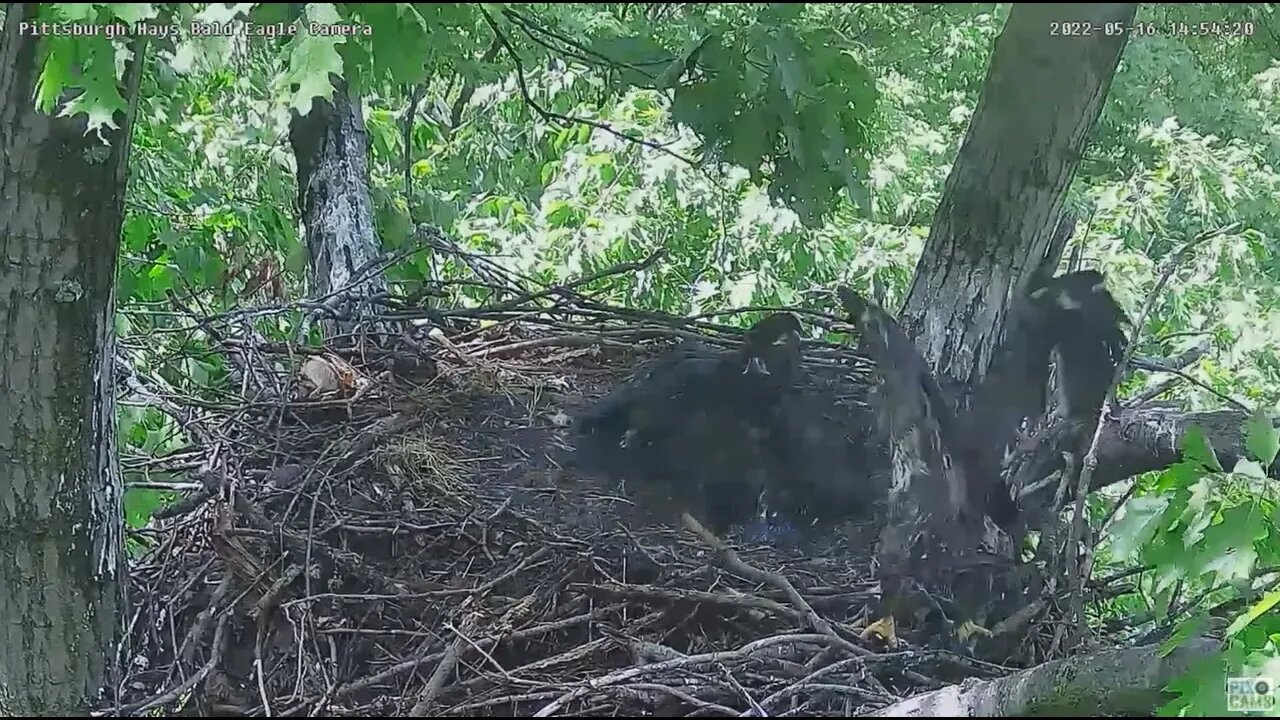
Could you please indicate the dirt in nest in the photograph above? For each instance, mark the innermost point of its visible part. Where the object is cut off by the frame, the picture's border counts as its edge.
(435, 553)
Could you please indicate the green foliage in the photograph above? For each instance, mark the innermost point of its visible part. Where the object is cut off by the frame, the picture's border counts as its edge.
(1262, 439)
(776, 97)
(767, 88)
(312, 58)
(88, 60)
(1214, 535)
(144, 433)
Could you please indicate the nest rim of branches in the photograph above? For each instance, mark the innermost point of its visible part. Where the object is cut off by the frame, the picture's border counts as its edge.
(399, 547)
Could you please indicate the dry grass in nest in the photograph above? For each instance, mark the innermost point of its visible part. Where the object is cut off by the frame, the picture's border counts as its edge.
(430, 464)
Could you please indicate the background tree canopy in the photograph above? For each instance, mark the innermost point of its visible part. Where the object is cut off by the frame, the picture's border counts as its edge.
(1185, 142)
(770, 150)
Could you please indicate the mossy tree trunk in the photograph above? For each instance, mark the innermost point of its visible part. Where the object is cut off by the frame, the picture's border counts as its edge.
(61, 564)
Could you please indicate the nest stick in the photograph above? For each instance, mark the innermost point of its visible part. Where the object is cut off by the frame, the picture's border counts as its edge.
(436, 682)
(627, 674)
(735, 564)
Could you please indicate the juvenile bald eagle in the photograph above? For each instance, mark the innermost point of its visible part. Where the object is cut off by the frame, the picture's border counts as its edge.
(949, 496)
(694, 427)
(1088, 329)
(932, 513)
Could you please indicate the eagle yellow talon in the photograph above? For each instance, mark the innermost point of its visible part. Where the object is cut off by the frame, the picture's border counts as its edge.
(970, 628)
(884, 629)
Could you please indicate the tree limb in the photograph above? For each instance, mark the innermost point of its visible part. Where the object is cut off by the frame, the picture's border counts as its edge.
(1136, 440)
(552, 115)
(1126, 682)
(1148, 438)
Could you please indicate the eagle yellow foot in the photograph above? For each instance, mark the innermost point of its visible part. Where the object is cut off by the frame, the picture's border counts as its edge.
(884, 630)
(969, 629)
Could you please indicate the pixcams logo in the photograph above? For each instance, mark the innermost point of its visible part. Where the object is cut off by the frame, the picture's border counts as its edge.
(1250, 694)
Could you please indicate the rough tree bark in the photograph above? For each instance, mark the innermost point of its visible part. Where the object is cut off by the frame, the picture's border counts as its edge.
(1141, 439)
(1129, 682)
(61, 522)
(1004, 197)
(332, 151)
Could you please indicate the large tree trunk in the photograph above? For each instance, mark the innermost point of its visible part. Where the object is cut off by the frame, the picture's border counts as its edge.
(61, 563)
(332, 152)
(995, 223)
(998, 229)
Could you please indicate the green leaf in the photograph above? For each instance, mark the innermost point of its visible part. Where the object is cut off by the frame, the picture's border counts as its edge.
(1234, 564)
(56, 73)
(561, 214)
(1200, 691)
(637, 60)
(130, 425)
(395, 224)
(189, 259)
(141, 503)
(271, 13)
(751, 138)
(1227, 548)
(76, 12)
(1262, 439)
(156, 281)
(1183, 474)
(1198, 515)
(548, 172)
(295, 258)
(1261, 607)
(1196, 446)
(683, 61)
(100, 98)
(404, 44)
(1169, 560)
(708, 108)
(155, 439)
(325, 13)
(1184, 631)
(1137, 523)
(132, 12)
(792, 73)
(197, 371)
(839, 160)
(1249, 468)
(313, 59)
(222, 12)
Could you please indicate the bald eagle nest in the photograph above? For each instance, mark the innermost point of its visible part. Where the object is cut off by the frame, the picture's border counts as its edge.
(400, 525)
(400, 529)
